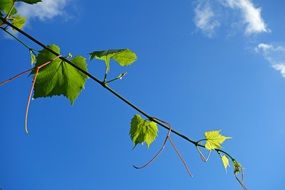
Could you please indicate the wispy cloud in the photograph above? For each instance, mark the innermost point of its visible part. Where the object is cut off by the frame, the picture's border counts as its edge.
(205, 18)
(45, 10)
(274, 54)
(249, 15)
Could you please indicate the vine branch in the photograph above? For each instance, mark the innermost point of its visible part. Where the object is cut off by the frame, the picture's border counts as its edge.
(104, 85)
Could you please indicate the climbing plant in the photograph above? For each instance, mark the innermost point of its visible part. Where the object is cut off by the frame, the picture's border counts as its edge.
(54, 74)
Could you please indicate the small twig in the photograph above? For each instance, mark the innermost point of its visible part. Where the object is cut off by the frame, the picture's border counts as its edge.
(105, 77)
(119, 77)
(31, 90)
(107, 63)
(34, 50)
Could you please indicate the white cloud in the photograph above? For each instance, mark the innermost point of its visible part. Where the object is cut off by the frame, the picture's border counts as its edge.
(249, 15)
(205, 18)
(280, 68)
(274, 54)
(263, 47)
(45, 10)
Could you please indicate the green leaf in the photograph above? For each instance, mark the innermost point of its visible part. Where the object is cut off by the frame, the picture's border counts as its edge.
(214, 139)
(18, 21)
(123, 57)
(142, 130)
(30, 1)
(6, 5)
(33, 57)
(58, 77)
(225, 161)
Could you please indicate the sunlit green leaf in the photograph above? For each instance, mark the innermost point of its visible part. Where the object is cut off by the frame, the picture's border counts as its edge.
(58, 77)
(142, 130)
(13, 11)
(18, 21)
(123, 57)
(6, 5)
(225, 161)
(214, 139)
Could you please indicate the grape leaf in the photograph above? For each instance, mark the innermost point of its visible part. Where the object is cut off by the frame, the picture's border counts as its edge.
(142, 130)
(18, 21)
(5, 5)
(58, 77)
(30, 1)
(214, 139)
(123, 57)
(225, 161)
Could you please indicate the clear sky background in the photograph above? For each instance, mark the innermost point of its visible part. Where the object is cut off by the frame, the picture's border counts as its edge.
(202, 65)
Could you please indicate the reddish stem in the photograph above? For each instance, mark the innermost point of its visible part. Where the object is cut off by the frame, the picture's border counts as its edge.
(180, 157)
(31, 91)
(160, 150)
(15, 77)
(154, 157)
(29, 100)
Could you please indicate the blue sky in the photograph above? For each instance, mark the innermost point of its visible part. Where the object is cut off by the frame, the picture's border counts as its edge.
(202, 65)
